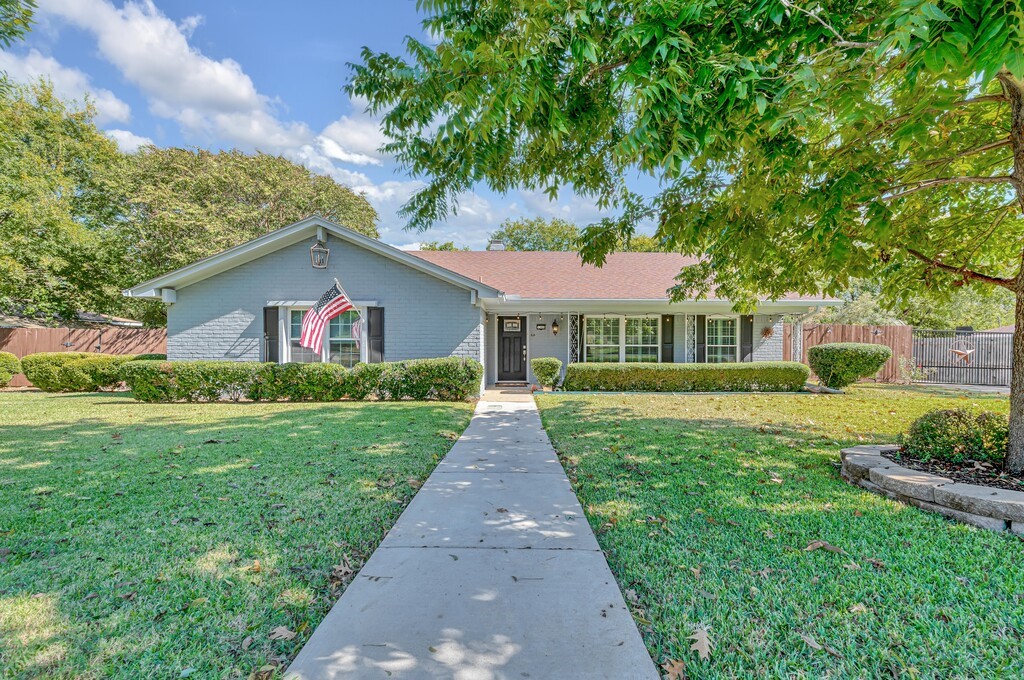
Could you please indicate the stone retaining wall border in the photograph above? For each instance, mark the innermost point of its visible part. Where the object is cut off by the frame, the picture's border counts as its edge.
(982, 506)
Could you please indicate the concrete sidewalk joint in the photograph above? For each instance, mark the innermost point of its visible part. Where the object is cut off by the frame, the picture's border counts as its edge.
(491, 572)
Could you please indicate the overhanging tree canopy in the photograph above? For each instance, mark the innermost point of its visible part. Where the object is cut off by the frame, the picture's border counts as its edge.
(798, 145)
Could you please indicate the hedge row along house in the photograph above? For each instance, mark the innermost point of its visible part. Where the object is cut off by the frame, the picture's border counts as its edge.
(499, 307)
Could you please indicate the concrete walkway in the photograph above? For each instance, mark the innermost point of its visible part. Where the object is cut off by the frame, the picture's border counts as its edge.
(491, 572)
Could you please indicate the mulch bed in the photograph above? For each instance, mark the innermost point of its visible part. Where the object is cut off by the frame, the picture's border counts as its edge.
(982, 474)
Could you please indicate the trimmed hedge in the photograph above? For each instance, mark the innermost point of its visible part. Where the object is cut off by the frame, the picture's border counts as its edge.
(757, 376)
(447, 379)
(547, 370)
(840, 364)
(9, 366)
(958, 435)
(78, 371)
(43, 368)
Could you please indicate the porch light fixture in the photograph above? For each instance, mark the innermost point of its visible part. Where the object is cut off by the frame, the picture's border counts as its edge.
(554, 327)
(318, 254)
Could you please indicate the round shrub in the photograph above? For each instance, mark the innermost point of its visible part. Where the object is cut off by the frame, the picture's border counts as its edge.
(958, 435)
(92, 373)
(547, 370)
(840, 364)
(43, 368)
(9, 365)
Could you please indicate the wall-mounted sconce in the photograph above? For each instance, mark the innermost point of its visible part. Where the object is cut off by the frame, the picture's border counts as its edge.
(318, 254)
(555, 327)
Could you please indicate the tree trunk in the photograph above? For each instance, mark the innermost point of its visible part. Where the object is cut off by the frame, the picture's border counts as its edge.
(1015, 454)
(1014, 90)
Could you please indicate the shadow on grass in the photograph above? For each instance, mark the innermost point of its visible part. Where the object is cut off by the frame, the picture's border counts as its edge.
(157, 538)
(708, 515)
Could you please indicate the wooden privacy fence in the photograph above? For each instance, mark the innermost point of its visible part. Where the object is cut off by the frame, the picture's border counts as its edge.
(23, 341)
(898, 338)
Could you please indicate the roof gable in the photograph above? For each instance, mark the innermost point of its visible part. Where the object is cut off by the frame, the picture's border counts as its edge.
(285, 236)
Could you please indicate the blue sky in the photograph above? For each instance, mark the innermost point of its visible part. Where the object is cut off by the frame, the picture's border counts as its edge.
(252, 75)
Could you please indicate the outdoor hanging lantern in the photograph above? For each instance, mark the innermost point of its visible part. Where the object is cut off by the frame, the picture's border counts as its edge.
(554, 327)
(319, 254)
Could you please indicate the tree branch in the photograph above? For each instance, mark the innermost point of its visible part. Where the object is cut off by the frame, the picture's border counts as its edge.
(970, 152)
(907, 189)
(963, 271)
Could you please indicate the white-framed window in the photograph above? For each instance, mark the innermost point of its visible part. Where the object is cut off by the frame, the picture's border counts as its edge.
(339, 346)
(602, 340)
(296, 352)
(722, 339)
(642, 343)
(622, 339)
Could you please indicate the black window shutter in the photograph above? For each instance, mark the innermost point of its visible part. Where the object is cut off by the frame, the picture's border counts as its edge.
(375, 335)
(271, 335)
(746, 338)
(702, 339)
(581, 331)
(668, 322)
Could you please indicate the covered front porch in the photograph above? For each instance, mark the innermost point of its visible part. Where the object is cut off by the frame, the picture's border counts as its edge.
(622, 335)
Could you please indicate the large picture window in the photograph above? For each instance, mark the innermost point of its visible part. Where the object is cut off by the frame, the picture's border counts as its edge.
(341, 345)
(722, 339)
(629, 339)
(298, 353)
(602, 340)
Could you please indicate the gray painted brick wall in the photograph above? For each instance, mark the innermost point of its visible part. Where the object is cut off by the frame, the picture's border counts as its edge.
(767, 349)
(222, 316)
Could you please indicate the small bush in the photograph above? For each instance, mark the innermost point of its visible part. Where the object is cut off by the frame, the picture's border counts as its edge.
(758, 376)
(958, 435)
(547, 370)
(92, 373)
(448, 379)
(9, 366)
(149, 357)
(840, 364)
(43, 368)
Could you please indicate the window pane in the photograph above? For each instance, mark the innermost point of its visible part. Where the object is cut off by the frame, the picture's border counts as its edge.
(721, 341)
(302, 355)
(341, 326)
(602, 331)
(641, 331)
(645, 354)
(603, 354)
(344, 352)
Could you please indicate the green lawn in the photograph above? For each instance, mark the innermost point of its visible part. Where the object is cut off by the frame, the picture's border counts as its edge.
(141, 540)
(705, 507)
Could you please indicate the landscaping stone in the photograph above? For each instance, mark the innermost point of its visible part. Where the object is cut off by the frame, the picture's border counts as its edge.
(1017, 528)
(907, 482)
(982, 500)
(980, 521)
(857, 466)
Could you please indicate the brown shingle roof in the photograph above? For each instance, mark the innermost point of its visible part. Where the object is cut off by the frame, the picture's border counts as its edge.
(562, 275)
(558, 275)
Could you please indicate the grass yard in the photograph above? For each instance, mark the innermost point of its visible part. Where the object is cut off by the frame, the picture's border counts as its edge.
(706, 508)
(141, 540)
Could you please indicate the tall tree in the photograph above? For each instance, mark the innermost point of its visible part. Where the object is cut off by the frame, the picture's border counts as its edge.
(441, 245)
(53, 204)
(180, 205)
(798, 145)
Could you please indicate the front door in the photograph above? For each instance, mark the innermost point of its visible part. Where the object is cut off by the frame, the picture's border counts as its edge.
(511, 349)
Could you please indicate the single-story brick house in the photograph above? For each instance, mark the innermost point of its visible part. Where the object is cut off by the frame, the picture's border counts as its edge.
(499, 307)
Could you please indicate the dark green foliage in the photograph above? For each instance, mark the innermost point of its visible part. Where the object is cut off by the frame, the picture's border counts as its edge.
(92, 373)
(759, 376)
(547, 370)
(448, 379)
(9, 365)
(43, 368)
(958, 435)
(840, 364)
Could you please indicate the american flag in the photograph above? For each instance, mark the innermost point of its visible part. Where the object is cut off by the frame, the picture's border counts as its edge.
(331, 304)
(357, 331)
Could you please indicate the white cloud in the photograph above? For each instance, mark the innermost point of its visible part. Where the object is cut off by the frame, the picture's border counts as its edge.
(128, 141)
(68, 83)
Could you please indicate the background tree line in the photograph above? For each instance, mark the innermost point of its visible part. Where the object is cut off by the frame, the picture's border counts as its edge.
(80, 220)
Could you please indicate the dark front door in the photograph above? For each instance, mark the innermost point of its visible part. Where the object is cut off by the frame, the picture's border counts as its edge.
(512, 349)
